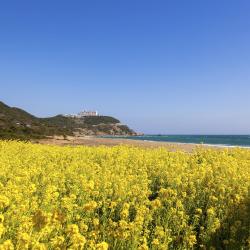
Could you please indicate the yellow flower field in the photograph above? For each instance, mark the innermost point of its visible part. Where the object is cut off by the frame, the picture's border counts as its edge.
(123, 198)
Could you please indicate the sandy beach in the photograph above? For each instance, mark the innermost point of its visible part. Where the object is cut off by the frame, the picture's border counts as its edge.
(97, 141)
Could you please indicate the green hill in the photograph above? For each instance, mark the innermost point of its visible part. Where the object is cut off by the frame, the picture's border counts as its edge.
(16, 123)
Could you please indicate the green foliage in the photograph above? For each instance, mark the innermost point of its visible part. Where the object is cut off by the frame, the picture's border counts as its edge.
(95, 120)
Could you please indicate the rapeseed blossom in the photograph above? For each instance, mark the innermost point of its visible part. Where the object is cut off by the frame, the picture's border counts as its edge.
(123, 198)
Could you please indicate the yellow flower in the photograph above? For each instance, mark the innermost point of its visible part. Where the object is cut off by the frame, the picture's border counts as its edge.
(83, 227)
(156, 203)
(123, 224)
(90, 206)
(143, 247)
(1, 218)
(113, 204)
(24, 240)
(72, 229)
(4, 202)
(215, 225)
(39, 246)
(155, 242)
(78, 241)
(58, 241)
(211, 211)
(102, 246)
(191, 240)
(124, 213)
(95, 222)
(198, 210)
(7, 245)
(213, 198)
(90, 185)
(159, 232)
(1, 229)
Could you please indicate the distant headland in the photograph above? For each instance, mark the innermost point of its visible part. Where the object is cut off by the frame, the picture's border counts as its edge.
(16, 123)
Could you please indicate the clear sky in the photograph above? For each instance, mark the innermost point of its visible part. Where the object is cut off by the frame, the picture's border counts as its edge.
(174, 67)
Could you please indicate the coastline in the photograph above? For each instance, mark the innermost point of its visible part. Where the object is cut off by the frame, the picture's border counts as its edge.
(108, 141)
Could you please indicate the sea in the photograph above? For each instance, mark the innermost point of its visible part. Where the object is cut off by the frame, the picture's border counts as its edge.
(218, 140)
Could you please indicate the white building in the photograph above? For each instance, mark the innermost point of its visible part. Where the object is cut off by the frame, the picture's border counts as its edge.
(83, 114)
(87, 113)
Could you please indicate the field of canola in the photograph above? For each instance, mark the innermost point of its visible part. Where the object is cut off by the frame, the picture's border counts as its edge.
(123, 198)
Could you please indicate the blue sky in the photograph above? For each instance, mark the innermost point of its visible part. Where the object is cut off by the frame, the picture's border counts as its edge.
(175, 67)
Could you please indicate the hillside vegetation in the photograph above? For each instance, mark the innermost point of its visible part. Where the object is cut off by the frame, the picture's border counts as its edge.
(123, 198)
(17, 123)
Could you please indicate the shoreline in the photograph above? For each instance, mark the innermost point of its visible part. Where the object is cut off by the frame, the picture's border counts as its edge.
(176, 142)
(104, 141)
(198, 144)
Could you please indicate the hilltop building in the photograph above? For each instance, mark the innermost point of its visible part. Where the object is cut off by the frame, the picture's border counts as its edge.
(83, 114)
(88, 113)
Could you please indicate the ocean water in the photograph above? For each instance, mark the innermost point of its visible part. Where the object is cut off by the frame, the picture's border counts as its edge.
(220, 140)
